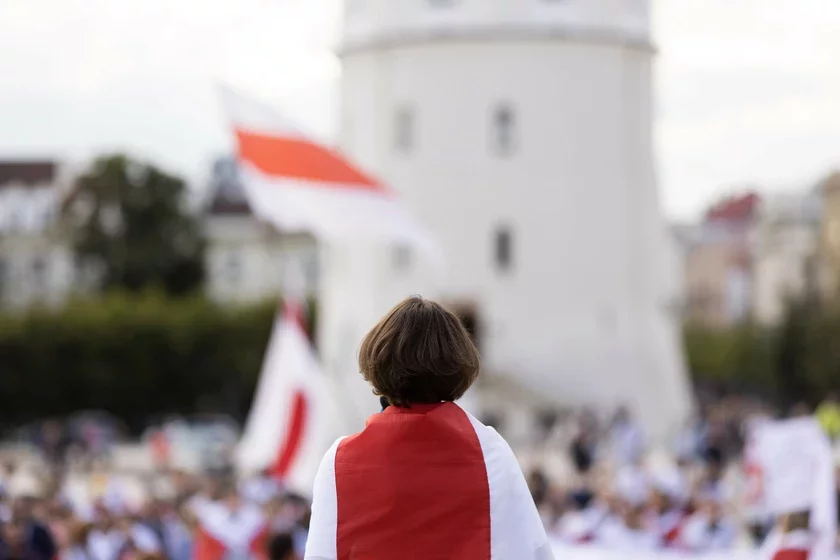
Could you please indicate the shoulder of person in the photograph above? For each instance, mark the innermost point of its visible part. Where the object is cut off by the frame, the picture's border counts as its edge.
(495, 448)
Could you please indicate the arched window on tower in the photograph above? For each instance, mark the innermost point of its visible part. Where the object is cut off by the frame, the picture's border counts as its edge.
(404, 129)
(504, 130)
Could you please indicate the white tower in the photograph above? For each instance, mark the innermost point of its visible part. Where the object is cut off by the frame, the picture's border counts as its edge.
(520, 132)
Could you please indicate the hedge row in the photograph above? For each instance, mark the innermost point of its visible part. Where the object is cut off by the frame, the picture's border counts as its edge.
(136, 357)
(141, 357)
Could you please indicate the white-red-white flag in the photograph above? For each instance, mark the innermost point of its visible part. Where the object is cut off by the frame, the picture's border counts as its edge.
(428, 481)
(223, 533)
(293, 419)
(299, 184)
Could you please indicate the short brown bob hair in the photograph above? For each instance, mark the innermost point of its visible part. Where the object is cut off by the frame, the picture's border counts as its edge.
(419, 353)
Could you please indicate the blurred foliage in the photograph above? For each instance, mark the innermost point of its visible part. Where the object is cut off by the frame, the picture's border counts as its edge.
(795, 361)
(739, 357)
(137, 356)
(131, 229)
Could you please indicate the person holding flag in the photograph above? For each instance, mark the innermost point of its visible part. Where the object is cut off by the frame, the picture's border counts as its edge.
(424, 479)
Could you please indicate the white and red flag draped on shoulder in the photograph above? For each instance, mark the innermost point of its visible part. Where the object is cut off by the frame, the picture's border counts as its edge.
(428, 481)
(292, 421)
(299, 184)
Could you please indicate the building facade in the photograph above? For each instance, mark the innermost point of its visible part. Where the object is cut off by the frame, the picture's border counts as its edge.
(785, 246)
(828, 252)
(36, 263)
(719, 263)
(751, 254)
(520, 132)
(246, 259)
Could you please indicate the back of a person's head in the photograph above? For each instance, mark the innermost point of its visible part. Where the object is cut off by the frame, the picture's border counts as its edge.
(281, 547)
(419, 353)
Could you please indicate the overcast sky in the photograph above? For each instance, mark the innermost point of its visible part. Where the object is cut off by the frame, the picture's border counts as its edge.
(748, 91)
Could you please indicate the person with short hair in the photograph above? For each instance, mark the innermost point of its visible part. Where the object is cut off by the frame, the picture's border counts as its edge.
(424, 479)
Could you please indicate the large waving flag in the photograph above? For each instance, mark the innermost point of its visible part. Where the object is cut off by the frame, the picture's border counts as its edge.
(299, 184)
(293, 419)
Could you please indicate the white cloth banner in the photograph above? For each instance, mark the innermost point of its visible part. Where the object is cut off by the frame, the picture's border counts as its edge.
(797, 471)
(791, 454)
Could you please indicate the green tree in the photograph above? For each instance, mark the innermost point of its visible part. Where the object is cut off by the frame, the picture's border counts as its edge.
(740, 357)
(792, 351)
(131, 230)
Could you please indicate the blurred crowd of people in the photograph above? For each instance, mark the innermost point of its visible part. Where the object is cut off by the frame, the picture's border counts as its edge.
(176, 516)
(704, 496)
(700, 498)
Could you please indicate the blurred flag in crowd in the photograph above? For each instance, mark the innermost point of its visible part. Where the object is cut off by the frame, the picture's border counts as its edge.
(293, 418)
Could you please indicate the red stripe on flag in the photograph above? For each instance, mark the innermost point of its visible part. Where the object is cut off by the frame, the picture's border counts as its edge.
(293, 312)
(294, 436)
(207, 547)
(791, 554)
(259, 545)
(413, 483)
(296, 158)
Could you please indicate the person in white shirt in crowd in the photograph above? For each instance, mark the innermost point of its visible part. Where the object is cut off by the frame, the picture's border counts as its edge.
(176, 536)
(627, 438)
(138, 537)
(626, 527)
(712, 483)
(627, 531)
(709, 529)
(668, 505)
(260, 489)
(105, 539)
(688, 443)
(7, 475)
(632, 481)
(582, 523)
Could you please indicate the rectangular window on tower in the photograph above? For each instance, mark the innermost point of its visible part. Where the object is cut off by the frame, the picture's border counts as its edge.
(401, 258)
(404, 129)
(503, 135)
(503, 248)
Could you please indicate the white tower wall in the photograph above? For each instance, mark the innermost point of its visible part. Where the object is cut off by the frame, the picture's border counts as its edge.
(582, 315)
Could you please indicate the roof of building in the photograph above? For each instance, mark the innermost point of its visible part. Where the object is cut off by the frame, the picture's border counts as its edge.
(738, 208)
(27, 173)
(226, 194)
(220, 206)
